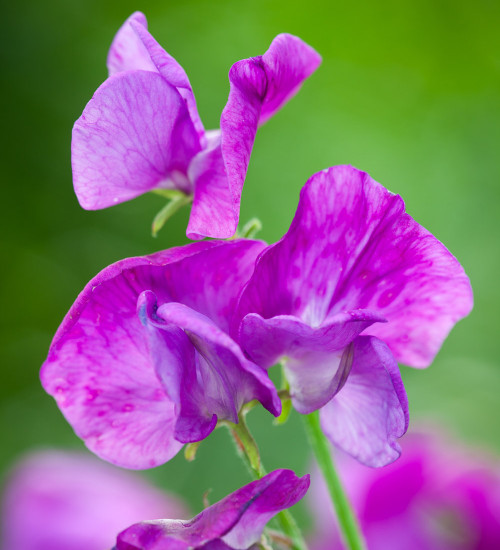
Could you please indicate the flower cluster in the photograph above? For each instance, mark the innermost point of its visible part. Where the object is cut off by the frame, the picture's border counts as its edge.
(157, 350)
(141, 130)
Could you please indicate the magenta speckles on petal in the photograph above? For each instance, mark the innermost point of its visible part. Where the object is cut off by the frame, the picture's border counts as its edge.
(142, 130)
(234, 523)
(137, 385)
(350, 249)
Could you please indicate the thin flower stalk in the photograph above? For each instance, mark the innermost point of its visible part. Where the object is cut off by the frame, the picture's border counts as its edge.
(348, 523)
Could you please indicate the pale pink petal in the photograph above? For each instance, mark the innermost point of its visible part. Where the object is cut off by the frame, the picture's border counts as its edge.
(173, 73)
(134, 135)
(127, 52)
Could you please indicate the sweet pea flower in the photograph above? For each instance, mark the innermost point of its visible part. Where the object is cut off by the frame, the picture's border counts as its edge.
(437, 496)
(234, 523)
(353, 286)
(141, 130)
(56, 500)
(143, 362)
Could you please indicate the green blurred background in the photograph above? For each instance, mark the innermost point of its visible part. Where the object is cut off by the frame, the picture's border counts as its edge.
(408, 91)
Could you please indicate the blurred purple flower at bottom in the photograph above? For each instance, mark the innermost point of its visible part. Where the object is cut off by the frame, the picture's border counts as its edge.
(234, 523)
(434, 497)
(58, 500)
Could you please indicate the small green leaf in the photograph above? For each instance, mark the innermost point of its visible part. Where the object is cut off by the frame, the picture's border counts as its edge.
(286, 409)
(284, 394)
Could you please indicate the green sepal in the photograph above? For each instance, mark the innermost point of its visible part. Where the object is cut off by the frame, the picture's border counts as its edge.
(176, 200)
(250, 229)
(190, 451)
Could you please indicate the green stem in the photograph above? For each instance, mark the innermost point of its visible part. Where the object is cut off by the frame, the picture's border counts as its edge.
(346, 518)
(249, 452)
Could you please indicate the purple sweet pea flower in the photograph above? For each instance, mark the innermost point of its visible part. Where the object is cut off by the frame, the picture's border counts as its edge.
(57, 500)
(437, 496)
(234, 523)
(141, 130)
(143, 362)
(354, 285)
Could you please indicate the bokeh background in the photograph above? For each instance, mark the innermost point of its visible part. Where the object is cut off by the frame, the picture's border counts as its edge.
(408, 91)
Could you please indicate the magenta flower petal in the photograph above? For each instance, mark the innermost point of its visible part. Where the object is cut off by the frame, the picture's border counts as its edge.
(102, 368)
(211, 379)
(287, 62)
(134, 48)
(371, 410)
(213, 211)
(173, 73)
(316, 364)
(266, 340)
(236, 522)
(259, 86)
(58, 500)
(127, 51)
(351, 246)
(134, 135)
(99, 371)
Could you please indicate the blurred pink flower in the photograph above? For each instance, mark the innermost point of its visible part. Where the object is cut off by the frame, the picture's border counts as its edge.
(437, 496)
(57, 500)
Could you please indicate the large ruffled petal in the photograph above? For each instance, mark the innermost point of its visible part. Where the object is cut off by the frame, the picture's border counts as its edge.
(134, 135)
(259, 86)
(371, 410)
(236, 522)
(351, 246)
(100, 369)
